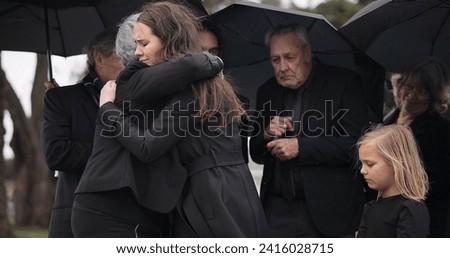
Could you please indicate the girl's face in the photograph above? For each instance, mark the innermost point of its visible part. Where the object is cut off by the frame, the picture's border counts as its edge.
(148, 45)
(378, 174)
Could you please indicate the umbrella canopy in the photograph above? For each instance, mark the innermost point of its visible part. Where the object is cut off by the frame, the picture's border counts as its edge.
(242, 27)
(71, 24)
(395, 32)
(63, 28)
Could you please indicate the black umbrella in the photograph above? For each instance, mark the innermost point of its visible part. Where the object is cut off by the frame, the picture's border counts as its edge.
(395, 32)
(63, 27)
(242, 27)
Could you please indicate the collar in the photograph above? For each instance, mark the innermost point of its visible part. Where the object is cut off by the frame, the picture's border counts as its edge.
(93, 78)
(308, 83)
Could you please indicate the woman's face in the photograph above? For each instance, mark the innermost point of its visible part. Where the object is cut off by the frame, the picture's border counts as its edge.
(148, 45)
(414, 98)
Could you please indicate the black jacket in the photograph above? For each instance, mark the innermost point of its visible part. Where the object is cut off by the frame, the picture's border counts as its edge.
(157, 185)
(67, 135)
(333, 189)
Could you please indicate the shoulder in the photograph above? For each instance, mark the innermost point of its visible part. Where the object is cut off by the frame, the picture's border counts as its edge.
(131, 70)
(414, 208)
(66, 92)
(440, 122)
(336, 74)
(269, 86)
(335, 70)
(413, 220)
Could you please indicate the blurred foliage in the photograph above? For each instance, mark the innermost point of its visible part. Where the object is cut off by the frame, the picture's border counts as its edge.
(337, 12)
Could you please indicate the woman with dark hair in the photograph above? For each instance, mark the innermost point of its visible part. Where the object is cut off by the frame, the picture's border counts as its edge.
(422, 97)
(202, 123)
(119, 195)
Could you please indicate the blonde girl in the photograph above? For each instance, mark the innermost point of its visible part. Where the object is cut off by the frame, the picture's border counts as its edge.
(391, 164)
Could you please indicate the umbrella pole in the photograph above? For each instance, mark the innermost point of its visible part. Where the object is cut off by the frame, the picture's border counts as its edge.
(49, 51)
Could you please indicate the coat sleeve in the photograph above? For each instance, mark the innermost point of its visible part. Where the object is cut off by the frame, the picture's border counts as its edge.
(173, 124)
(154, 82)
(61, 152)
(258, 121)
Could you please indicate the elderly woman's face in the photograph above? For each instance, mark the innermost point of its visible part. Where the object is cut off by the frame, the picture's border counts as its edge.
(148, 44)
(414, 98)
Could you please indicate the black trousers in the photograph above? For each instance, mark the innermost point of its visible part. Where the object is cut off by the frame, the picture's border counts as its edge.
(90, 223)
(289, 218)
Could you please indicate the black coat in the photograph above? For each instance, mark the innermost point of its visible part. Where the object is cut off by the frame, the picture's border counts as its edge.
(157, 185)
(220, 198)
(67, 135)
(333, 189)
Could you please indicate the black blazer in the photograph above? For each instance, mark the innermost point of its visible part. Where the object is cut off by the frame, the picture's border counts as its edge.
(333, 189)
(156, 185)
(67, 134)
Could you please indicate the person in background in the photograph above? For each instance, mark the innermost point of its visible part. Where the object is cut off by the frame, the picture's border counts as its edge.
(310, 116)
(422, 97)
(125, 45)
(69, 115)
(391, 164)
(219, 198)
(209, 40)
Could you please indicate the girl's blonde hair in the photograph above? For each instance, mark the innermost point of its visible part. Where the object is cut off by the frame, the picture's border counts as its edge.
(398, 147)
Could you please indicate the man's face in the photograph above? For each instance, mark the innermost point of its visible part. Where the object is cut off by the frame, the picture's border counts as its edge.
(291, 63)
(209, 42)
(108, 67)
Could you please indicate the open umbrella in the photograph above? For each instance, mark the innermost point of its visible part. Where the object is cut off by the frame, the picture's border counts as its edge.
(395, 32)
(63, 27)
(242, 27)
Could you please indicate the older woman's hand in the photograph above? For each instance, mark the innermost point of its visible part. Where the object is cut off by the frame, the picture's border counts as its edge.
(108, 93)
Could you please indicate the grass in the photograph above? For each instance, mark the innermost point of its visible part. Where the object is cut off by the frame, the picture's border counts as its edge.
(27, 232)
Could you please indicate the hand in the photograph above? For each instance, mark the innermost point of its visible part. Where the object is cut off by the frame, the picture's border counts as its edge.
(284, 149)
(108, 93)
(277, 127)
(50, 85)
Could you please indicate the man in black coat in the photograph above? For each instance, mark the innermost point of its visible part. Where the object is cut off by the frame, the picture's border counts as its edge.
(310, 116)
(69, 124)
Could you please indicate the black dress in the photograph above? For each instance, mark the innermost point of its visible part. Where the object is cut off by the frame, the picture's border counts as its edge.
(395, 216)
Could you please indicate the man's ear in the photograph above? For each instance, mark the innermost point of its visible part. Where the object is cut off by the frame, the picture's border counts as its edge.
(98, 58)
(307, 51)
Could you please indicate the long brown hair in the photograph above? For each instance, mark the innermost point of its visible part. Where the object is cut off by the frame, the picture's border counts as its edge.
(177, 27)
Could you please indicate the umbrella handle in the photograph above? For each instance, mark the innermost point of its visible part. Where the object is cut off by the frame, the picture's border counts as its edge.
(49, 51)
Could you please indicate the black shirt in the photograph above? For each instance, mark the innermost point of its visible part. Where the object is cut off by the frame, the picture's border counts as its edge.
(395, 216)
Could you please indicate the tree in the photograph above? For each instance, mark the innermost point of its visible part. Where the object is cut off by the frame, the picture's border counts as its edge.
(337, 11)
(5, 226)
(34, 186)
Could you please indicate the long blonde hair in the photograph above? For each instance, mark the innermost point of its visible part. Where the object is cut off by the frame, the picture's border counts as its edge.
(177, 27)
(398, 147)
